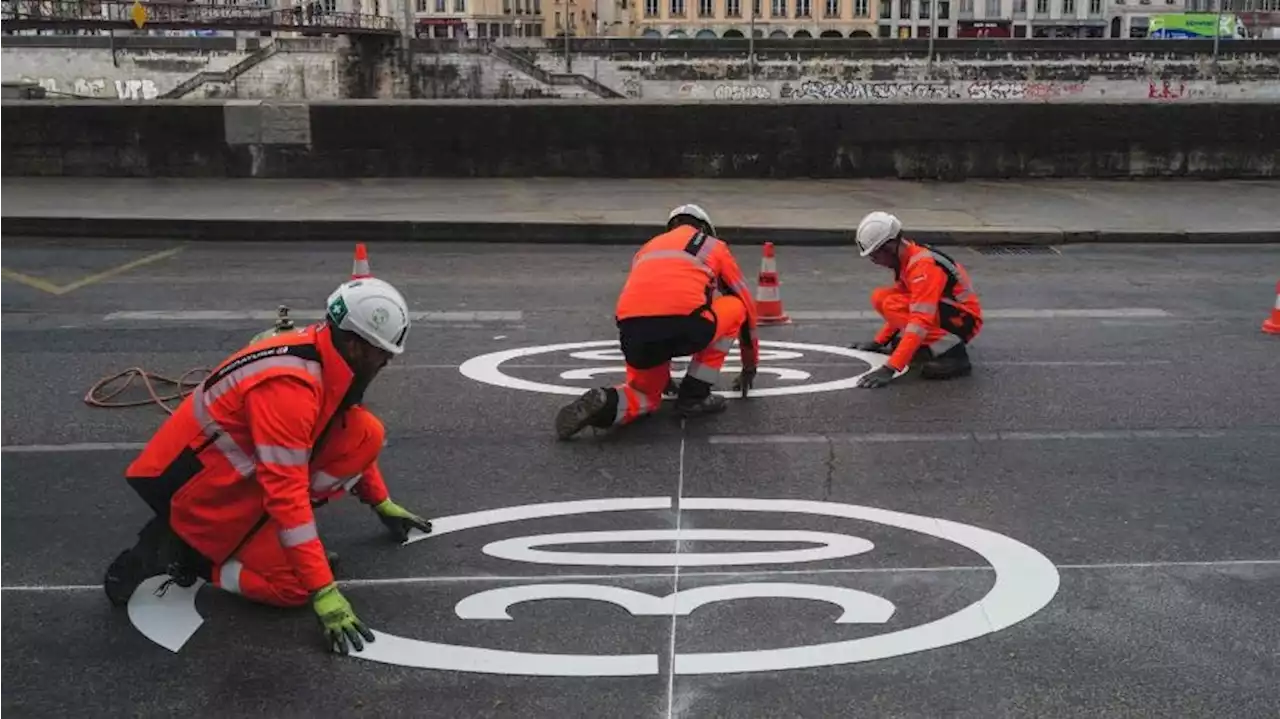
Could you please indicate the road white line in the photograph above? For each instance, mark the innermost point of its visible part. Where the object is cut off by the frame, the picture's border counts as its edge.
(74, 447)
(304, 315)
(1001, 436)
(675, 580)
(1004, 314)
(400, 581)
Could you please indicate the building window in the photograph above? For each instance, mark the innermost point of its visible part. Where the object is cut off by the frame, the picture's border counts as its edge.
(904, 9)
(966, 6)
(537, 7)
(459, 5)
(803, 8)
(650, 8)
(832, 8)
(440, 7)
(506, 7)
(861, 9)
(924, 9)
(993, 9)
(420, 5)
(886, 13)
(1020, 7)
(733, 8)
(677, 8)
(1042, 7)
(1068, 7)
(944, 10)
(779, 8)
(1095, 7)
(755, 8)
(706, 8)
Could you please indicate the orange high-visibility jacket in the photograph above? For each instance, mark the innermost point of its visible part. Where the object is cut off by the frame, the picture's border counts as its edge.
(237, 450)
(677, 273)
(930, 279)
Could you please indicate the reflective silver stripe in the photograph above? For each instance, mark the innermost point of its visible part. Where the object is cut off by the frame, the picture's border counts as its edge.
(704, 252)
(642, 404)
(948, 265)
(297, 535)
(284, 456)
(947, 342)
(927, 307)
(325, 482)
(235, 377)
(230, 576)
(707, 374)
(724, 344)
(915, 329)
(242, 462)
(697, 261)
(739, 287)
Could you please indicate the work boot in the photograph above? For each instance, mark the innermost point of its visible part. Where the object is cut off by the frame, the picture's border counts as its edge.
(596, 407)
(950, 364)
(695, 399)
(151, 555)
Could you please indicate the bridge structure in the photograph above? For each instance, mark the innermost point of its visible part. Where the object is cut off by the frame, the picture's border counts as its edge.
(77, 15)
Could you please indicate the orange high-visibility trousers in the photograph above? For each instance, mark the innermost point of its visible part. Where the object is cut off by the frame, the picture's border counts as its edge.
(641, 393)
(894, 306)
(260, 570)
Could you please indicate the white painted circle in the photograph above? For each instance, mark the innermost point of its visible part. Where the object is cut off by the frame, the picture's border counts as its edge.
(487, 368)
(524, 549)
(1025, 582)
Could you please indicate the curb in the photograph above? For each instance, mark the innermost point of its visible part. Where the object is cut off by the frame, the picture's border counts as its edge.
(255, 230)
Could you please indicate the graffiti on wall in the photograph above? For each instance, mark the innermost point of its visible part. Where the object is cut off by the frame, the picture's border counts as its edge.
(858, 90)
(1019, 90)
(131, 89)
(1175, 90)
(742, 92)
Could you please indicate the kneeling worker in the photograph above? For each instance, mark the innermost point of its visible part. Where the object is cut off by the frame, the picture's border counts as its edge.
(667, 309)
(931, 312)
(274, 431)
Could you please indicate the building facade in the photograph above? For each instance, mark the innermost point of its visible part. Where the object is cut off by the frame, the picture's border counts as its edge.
(997, 18)
(763, 18)
(479, 18)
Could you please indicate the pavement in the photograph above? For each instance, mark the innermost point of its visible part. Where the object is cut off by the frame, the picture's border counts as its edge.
(628, 211)
(1084, 527)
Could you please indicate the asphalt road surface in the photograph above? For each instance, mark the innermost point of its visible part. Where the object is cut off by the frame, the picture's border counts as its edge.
(1087, 526)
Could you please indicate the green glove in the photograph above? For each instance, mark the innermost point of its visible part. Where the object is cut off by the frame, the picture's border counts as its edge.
(340, 623)
(400, 520)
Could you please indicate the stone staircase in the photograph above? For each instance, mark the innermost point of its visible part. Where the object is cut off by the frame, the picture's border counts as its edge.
(254, 59)
(528, 67)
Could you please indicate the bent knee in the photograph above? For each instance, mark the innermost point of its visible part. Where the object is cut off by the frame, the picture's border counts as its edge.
(880, 297)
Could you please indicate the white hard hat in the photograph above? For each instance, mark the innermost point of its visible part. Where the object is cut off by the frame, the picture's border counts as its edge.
(695, 212)
(876, 229)
(374, 310)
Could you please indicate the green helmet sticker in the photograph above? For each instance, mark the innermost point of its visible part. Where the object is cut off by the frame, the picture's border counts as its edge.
(338, 310)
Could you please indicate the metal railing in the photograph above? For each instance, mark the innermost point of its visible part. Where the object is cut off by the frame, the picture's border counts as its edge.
(117, 14)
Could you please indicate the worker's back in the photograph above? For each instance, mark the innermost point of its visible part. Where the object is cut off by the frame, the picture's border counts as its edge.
(670, 275)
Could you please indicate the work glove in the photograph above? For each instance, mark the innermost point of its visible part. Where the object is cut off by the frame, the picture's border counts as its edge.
(877, 377)
(749, 348)
(341, 626)
(744, 381)
(400, 520)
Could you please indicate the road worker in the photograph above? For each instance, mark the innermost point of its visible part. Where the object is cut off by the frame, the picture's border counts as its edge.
(668, 308)
(275, 431)
(931, 313)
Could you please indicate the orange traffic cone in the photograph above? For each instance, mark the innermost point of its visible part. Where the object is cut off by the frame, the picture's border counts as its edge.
(360, 267)
(768, 295)
(1271, 325)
